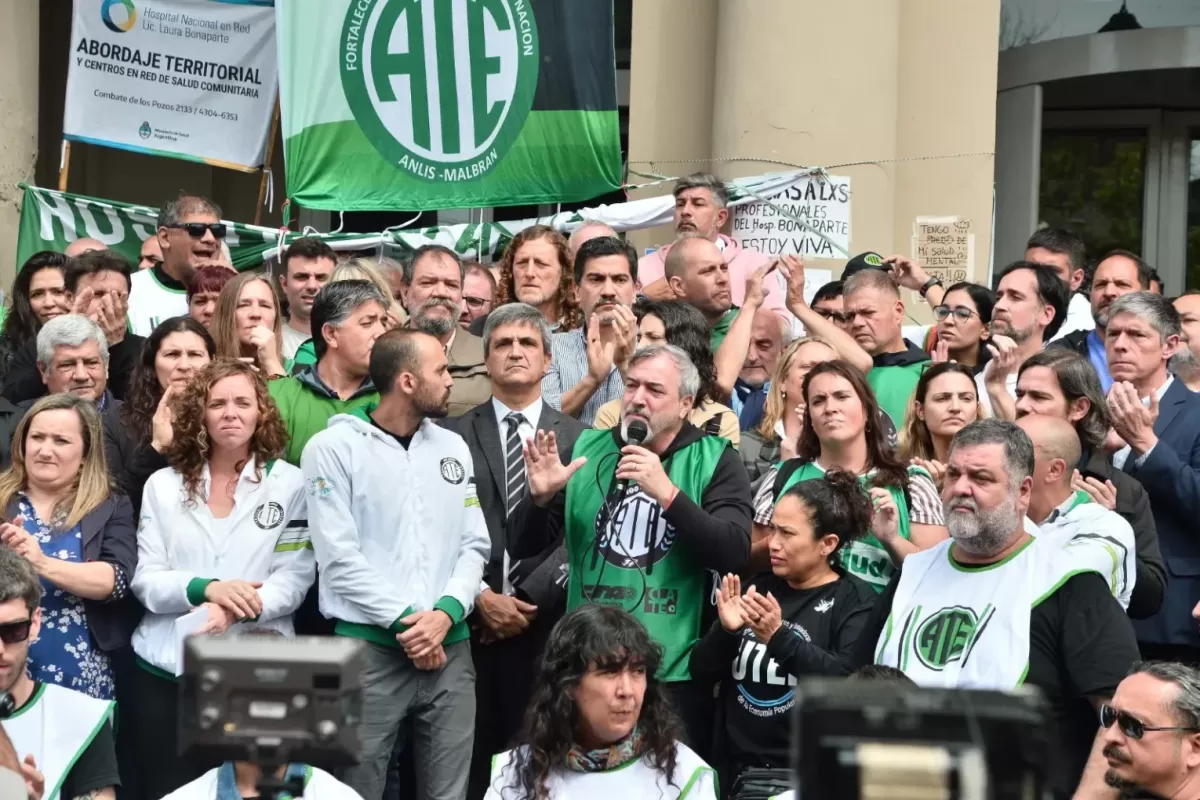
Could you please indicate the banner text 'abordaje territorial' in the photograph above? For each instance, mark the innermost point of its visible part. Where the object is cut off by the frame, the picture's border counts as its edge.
(241, 80)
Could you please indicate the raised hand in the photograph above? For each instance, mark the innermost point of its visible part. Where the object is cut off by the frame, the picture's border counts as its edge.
(262, 339)
(885, 523)
(935, 468)
(1003, 361)
(162, 425)
(1103, 493)
(907, 273)
(601, 351)
(792, 268)
(624, 329)
(1132, 421)
(729, 604)
(544, 472)
(756, 293)
(763, 614)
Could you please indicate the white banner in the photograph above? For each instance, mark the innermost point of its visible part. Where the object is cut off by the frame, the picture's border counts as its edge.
(811, 219)
(192, 79)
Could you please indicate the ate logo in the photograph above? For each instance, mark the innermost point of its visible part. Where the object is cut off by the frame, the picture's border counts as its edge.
(441, 88)
(948, 636)
(638, 536)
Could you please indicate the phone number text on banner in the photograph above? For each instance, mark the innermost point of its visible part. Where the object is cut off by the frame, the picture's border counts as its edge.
(191, 79)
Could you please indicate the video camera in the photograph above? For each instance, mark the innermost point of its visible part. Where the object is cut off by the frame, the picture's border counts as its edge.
(865, 739)
(271, 700)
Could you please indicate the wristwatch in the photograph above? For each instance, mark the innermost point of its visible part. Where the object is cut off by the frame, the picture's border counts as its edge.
(929, 284)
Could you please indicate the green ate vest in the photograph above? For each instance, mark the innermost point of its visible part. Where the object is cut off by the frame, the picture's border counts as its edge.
(643, 569)
(894, 387)
(863, 558)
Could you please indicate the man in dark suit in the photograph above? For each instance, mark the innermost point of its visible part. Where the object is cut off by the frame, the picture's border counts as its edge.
(1158, 420)
(521, 599)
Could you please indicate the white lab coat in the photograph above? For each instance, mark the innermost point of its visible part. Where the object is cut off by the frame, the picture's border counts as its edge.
(265, 538)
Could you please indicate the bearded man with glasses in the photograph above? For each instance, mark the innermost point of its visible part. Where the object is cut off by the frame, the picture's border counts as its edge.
(63, 738)
(189, 234)
(1151, 731)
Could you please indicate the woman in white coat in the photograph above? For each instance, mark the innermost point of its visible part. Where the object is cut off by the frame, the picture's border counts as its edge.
(223, 543)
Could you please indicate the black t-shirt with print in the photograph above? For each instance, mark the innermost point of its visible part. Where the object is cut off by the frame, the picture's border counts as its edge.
(820, 629)
(1081, 645)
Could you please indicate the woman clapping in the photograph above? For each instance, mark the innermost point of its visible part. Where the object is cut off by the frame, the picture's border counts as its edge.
(802, 617)
(78, 535)
(224, 533)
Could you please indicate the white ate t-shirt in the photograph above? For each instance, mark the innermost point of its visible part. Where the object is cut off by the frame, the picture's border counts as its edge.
(693, 780)
(150, 302)
(292, 339)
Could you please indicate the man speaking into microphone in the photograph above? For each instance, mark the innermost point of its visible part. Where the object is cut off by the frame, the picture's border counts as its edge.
(651, 507)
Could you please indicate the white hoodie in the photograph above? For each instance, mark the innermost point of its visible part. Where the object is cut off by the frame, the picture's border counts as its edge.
(396, 531)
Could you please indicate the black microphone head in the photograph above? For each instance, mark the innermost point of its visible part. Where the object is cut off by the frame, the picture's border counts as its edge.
(636, 432)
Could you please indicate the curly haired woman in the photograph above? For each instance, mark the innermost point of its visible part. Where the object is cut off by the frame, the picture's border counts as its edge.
(224, 533)
(599, 725)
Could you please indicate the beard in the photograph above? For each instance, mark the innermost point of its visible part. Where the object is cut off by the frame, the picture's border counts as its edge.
(432, 401)
(655, 423)
(437, 326)
(984, 532)
(1183, 361)
(1005, 328)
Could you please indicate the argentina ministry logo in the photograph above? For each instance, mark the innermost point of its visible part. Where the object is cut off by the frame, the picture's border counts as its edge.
(441, 88)
(949, 635)
(118, 16)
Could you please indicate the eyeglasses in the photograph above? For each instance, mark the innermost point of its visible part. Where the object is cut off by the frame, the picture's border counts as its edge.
(1130, 725)
(15, 632)
(961, 313)
(196, 229)
(833, 316)
(475, 302)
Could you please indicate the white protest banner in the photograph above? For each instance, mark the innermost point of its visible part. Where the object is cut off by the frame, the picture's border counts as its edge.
(191, 79)
(810, 218)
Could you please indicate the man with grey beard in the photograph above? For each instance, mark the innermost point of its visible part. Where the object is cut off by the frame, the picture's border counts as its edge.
(432, 295)
(996, 606)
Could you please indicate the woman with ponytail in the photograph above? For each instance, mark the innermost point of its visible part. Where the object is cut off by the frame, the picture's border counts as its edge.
(803, 617)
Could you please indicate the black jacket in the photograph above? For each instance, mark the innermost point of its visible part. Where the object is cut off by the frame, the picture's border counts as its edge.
(110, 535)
(131, 459)
(24, 382)
(715, 527)
(536, 577)
(10, 416)
(1133, 504)
(1076, 340)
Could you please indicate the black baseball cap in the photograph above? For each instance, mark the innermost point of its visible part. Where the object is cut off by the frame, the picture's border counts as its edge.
(867, 260)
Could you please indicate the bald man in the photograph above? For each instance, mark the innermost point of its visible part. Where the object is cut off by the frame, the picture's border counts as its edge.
(81, 246)
(698, 275)
(1099, 536)
(585, 233)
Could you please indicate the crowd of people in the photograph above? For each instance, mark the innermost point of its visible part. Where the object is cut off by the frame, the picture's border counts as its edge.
(593, 516)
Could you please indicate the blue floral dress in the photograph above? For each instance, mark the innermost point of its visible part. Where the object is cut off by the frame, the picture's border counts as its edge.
(65, 653)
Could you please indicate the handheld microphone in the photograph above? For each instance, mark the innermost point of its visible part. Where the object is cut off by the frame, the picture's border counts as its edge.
(636, 433)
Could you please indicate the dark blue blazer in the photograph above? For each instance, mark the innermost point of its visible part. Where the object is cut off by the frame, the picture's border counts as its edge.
(1171, 477)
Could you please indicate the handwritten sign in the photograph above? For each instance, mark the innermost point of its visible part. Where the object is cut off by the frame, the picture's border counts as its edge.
(810, 219)
(945, 247)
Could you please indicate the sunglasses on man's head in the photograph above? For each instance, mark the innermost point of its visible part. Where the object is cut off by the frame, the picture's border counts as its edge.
(15, 632)
(196, 229)
(1130, 725)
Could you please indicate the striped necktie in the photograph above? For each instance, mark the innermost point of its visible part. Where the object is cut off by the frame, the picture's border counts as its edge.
(514, 460)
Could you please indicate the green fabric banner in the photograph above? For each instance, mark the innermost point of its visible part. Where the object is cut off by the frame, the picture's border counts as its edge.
(438, 104)
(50, 220)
